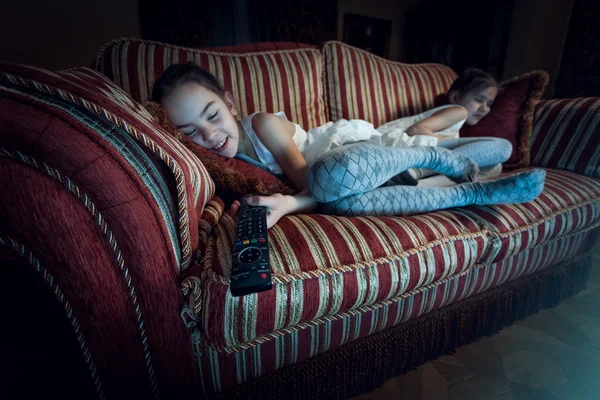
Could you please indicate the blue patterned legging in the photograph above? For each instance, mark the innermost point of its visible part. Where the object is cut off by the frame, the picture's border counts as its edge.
(347, 180)
(487, 152)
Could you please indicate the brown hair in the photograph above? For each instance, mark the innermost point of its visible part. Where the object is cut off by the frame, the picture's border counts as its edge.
(178, 74)
(472, 79)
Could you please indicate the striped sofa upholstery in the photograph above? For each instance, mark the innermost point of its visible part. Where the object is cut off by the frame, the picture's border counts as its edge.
(360, 85)
(103, 205)
(566, 134)
(338, 279)
(125, 229)
(268, 81)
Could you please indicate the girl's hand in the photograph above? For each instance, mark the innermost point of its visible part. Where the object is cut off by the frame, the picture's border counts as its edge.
(277, 204)
(280, 205)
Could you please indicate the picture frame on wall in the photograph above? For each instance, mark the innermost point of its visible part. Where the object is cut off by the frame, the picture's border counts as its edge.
(368, 33)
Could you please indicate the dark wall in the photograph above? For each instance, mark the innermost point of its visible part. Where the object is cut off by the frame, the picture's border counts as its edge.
(62, 33)
(579, 74)
(229, 22)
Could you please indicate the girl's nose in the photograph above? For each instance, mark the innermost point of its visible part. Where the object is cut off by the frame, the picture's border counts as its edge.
(208, 133)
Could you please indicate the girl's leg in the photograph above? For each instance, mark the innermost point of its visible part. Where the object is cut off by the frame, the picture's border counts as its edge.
(361, 167)
(408, 200)
(485, 151)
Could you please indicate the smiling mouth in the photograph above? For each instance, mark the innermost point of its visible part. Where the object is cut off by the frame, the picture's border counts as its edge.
(221, 146)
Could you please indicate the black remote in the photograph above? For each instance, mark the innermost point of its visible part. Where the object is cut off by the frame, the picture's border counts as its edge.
(250, 269)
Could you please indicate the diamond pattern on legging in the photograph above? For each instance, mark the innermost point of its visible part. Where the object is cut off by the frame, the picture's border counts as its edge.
(408, 200)
(484, 151)
(361, 167)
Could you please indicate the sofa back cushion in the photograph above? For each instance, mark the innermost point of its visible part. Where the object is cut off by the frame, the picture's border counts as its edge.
(360, 85)
(566, 135)
(267, 81)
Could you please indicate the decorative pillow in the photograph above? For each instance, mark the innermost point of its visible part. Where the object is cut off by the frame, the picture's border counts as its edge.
(266, 81)
(360, 85)
(511, 116)
(233, 178)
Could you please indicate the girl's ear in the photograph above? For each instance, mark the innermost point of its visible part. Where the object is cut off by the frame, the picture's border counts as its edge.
(453, 96)
(230, 103)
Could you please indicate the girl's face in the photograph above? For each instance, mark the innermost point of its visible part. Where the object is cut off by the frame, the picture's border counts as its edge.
(477, 103)
(204, 117)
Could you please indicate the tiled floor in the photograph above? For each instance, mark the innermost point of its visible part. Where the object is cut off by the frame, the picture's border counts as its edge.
(554, 354)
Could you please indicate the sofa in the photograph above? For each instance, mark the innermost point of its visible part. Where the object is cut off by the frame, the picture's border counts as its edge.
(116, 253)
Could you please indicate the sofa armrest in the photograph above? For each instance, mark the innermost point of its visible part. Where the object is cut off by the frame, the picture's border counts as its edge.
(566, 135)
(76, 214)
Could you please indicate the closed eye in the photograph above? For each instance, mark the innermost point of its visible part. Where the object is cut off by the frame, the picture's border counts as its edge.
(214, 116)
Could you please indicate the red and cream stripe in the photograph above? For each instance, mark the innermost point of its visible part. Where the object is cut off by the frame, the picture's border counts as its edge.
(360, 85)
(566, 135)
(268, 81)
(226, 367)
(325, 265)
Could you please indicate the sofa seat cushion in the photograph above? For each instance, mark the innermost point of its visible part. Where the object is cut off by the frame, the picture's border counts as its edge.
(266, 81)
(569, 203)
(325, 266)
(221, 369)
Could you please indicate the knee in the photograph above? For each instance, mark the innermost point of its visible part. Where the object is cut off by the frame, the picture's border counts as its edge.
(505, 148)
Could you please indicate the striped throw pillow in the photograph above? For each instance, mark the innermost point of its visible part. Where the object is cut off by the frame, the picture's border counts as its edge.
(269, 81)
(360, 85)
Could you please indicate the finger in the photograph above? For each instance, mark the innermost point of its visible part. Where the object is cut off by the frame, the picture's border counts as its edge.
(265, 201)
(235, 206)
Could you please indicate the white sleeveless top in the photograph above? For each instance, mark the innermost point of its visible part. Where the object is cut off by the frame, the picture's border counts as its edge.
(318, 141)
(394, 131)
(263, 154)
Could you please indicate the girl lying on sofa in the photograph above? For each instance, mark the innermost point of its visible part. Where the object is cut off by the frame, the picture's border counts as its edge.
(344, 165)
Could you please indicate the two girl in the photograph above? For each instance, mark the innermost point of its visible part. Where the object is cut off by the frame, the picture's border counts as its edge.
(347, 177)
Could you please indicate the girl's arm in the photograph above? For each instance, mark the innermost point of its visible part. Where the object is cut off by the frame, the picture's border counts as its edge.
(277, 135)
(439, 121)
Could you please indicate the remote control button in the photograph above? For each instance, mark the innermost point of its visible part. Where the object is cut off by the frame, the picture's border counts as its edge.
(238, 243)
(261, 240)
(250, 255)
(263, 276)
(246, 242)
(253, 241)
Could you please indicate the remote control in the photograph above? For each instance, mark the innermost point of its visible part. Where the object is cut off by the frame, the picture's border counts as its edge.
(250, 269)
